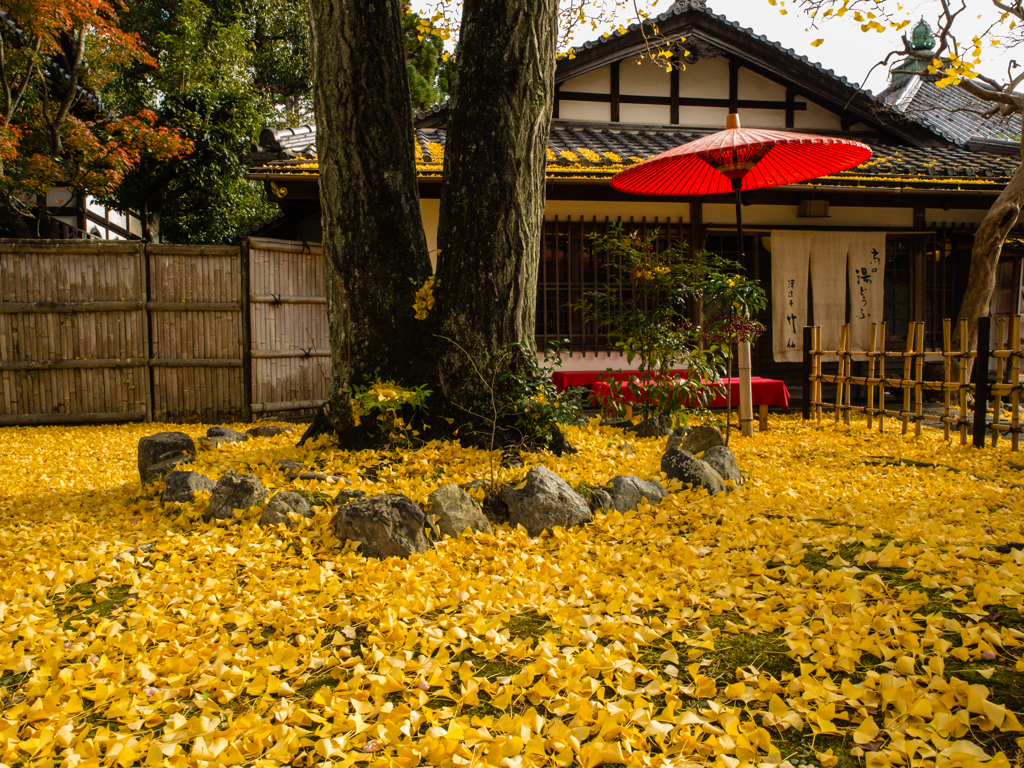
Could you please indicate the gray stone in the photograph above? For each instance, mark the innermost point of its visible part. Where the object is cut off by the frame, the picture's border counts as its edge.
(683, 466)
(387, 525)
(626, 491)
(288, 464)
(456, 511)
(700, 439)
(181, 487)
(284, 507)
(159, 454)
(603, 499)
(348, 494)
(218, 436)
(721, 459)
(544, 503)
(676, 438)
(472, 484)
(234, 491)
(267, 430)
(658, 425)
(617, 423)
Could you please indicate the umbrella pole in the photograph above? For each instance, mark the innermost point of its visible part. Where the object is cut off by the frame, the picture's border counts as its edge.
(746, 399)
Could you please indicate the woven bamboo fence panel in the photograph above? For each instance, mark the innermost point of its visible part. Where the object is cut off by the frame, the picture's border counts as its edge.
(290, 342)
(904, 371)
(72, 332)
(195, 310)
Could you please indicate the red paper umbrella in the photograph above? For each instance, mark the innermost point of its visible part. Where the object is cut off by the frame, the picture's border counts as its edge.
(736, 159)
(733, 160)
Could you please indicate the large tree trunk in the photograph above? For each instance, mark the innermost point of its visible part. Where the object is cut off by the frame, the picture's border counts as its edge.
(374, 247)
(492, 197)
(988, 245)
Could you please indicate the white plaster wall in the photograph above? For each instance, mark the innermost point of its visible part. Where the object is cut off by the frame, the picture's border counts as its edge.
(785, 216)
(565, 209)
(703, 117)
(58, 196)
(590, 361)
(598, 81)
(816, 118)
(644, 77)
(117, 218)
(135, 226)
(430, 210)
(751, 85)
(762, 118)
(584, 110)
(706, 79)
(645, 114)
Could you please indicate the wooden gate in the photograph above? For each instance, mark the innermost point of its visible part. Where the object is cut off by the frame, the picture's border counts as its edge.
(289, 339)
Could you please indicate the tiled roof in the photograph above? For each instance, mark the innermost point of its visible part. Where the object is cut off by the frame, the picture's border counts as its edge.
(600, 152)
(54, 69)
(950, 112)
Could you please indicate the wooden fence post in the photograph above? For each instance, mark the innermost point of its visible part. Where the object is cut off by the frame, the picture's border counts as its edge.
(147, 347)
(981, 391)
(963, 382)
(243, 256)
(871, 376)
(947, 350)
(148, 337)
(997, 404)
(1015, 383)
(808, 394)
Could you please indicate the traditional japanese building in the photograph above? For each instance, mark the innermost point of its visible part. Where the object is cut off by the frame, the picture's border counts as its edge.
(906, 216)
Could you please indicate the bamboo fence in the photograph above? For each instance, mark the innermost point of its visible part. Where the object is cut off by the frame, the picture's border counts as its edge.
(904, 371)
(103, 331)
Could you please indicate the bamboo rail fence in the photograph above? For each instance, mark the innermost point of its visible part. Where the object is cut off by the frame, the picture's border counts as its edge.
(906, 373)
(102, 331)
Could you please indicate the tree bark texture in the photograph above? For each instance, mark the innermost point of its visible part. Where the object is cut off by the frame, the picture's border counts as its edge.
(988, 246)
(374, 247)
(492, 196)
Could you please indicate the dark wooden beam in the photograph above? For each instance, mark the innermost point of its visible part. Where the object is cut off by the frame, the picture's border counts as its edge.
(615, 91)
(673, 104)
(734, 85)
(791, 107)
(554, 108)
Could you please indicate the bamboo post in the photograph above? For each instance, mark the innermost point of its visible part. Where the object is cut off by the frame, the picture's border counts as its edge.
(871, 375)
(981, 389)
(881, 378)
(947, 348)
(746, 398)
(1015, 382)
(849, 374)
(905, 382)
(819, 400)
(808, 371)
(963, 382)
(919, 376)
(841, 376)
(997, 404)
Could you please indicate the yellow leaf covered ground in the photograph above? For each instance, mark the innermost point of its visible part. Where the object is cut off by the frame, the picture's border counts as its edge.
(835, 610)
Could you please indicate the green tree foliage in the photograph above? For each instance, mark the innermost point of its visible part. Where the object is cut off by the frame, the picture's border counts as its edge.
(226, 70)
(203, 86)
(54, 56)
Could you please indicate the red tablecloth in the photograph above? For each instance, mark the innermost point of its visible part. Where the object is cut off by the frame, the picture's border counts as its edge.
(762, 392)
